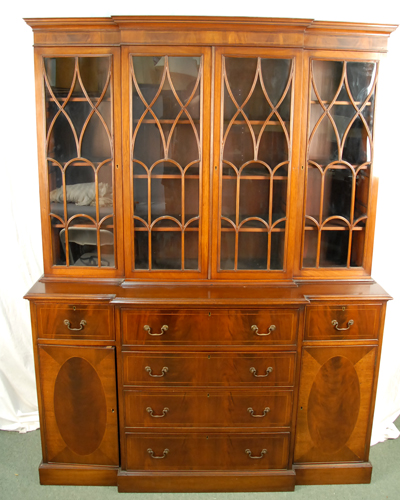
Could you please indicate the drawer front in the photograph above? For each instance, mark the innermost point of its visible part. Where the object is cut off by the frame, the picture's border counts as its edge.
(75, 322)
(208, 408)
(211, 451)
(342, 322)
(264, 327)
(208, 369)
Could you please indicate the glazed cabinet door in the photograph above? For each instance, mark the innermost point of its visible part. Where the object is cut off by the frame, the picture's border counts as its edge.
(257, 113)
(339, 197)
(79, 155)
(334, 410)
(78, 390)
(166, 123)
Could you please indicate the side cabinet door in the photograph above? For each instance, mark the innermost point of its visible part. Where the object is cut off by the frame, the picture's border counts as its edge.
(80, 404)
(334, 404)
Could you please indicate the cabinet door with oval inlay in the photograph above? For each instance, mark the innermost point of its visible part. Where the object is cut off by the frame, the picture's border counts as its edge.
(79, 402)
(335, 404)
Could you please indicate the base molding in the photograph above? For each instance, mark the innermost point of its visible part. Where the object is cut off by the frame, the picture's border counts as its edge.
(350, 473)
(205, 481)
(179, 482)
(78, 475)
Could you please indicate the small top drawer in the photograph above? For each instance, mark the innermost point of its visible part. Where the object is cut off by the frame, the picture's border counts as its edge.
(341, 322)
(208, 327)
(75, 322)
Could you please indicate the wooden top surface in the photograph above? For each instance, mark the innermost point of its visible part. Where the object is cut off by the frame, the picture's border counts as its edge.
(203, 22)
(207, 30)
(208, 295)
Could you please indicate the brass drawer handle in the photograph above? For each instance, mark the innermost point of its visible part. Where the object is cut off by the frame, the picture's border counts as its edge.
(267, 371)
(164, 328)
(263, 452)
(163, 371)
(151, 453)
(251, 411)
(336, 323)
(271, 329)
(150, 410)
(82, 325)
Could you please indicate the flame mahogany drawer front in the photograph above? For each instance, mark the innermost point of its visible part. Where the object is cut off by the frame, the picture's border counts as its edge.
(342, 322)
(207, 451)
(180, 327)
(208, 408)
(75, 322)
(208, 369)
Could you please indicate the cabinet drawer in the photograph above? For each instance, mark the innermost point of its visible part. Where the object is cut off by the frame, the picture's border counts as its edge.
(208, 408)
(75, 322)
(259, 327)
(208, 369)
(211, 451)
(342, 322)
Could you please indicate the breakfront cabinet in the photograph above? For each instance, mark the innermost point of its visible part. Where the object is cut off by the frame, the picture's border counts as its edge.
(207, 319)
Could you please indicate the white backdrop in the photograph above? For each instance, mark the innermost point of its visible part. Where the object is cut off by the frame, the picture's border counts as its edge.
(20, 234)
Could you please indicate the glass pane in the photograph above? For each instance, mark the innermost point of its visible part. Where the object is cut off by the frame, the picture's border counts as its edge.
(166, 198)
(357, 246)
(310, 245)
(275, 75)
(279, 199)
(254, 198)
(166, 141)
(191, 249)
(227, 250)
(80, 167)
(257, 112)
(337, 192)
(191, 199)
(239, 144)
(326, 78)
(277, 249)
(240, 75)
(362, 190)
(339, 136)
(141, 244)
(361, 77)
(334, 248)
(253, 250)
(357, 148)
(166, 249)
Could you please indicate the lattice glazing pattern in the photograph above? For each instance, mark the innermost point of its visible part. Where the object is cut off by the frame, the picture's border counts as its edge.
(79, 151)
(255, 159)
(166, 161)
(339, 155)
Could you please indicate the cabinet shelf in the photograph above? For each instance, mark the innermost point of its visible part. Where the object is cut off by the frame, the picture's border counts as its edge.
(166, 176)
(167, 121)
(78, 99)
(342, 103)
(256, 122)
(256, 177)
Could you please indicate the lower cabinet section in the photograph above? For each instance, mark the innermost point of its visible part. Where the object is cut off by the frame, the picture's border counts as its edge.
(206, 451)
(79, 419)
(210, 418)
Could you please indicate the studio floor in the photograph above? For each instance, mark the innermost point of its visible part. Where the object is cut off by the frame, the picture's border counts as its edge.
(20, 456)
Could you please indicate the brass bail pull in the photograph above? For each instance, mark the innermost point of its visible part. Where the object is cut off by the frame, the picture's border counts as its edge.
(336, 325)
(82, 324)
(263, 452)
(255, 329)
(164, 328)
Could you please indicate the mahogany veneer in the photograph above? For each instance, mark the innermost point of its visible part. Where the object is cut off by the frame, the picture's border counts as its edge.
(207, 320)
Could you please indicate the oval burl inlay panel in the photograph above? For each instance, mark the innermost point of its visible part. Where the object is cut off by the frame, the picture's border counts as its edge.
(80, 406)
(333, 404)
